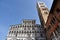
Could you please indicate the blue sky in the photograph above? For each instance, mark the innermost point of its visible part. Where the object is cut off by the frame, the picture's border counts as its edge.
(14, 11)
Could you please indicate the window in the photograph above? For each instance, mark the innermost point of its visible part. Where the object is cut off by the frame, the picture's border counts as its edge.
(22, 31)
(41, 3)
(58, 29)
(41, 35)
(33, 28)
(45, 13)
(28, 28)
(24, 28)
(17, 31)
(49, 27)
(16, 35)
(32, 31)
(52, 36)
(23, 25)
(14, 31)
(18, 26)
(55, 34)
(25, 32)
(44, 9)
(9, 32)
(37, 31)
(58, 10)
(42, 6)
(53, 21)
